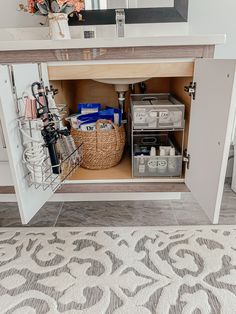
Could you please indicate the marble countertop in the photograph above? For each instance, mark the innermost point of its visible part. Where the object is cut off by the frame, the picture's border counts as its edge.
(44, 44)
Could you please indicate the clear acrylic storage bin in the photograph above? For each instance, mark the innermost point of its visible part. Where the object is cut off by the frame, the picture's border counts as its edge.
(159, 166)
(157, 111)
(145, 165)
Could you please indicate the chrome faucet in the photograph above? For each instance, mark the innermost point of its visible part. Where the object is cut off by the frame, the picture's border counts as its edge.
(120, 22)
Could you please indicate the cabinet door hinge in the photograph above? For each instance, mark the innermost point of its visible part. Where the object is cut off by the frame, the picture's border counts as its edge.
(186, 158)
(191, 89)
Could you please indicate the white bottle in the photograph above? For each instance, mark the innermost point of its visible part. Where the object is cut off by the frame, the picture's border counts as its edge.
(141, 167)
(153, 152)
(172, 162)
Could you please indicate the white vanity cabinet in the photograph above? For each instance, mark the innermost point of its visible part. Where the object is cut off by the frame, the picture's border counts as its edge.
(3, 147)
(210, 123)
(5, 173)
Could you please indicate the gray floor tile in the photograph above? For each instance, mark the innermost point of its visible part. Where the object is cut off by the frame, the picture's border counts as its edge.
(184, 217)
(9, 211)
(228, 208)
(185, 211)
(116, 214)
(228, 218)
(10, 222)
(188, 212)
(47, 215)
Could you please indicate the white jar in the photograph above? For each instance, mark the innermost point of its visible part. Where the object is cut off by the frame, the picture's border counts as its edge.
(153, 152)
(58, 26)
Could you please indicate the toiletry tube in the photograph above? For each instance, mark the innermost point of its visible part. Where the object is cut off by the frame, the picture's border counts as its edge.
(166, 149)
(153, 152)
(162, 151)
(172, 151)
(73, 119)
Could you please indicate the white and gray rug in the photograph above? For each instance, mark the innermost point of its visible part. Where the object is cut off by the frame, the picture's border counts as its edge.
(164, 270)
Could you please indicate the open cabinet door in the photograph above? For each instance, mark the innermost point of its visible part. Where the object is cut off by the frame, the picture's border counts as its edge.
(30, 200)
(211, 125)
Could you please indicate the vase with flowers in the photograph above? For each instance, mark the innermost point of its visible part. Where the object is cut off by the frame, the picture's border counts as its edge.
(57, 12)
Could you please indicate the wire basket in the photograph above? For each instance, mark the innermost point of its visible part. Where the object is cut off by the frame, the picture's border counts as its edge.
(40, 174)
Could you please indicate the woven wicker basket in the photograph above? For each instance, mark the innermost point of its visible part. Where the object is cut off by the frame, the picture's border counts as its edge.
(101, 149)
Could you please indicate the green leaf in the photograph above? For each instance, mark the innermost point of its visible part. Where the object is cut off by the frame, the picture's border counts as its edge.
(67, 9)
(42, 8)
(55, 7)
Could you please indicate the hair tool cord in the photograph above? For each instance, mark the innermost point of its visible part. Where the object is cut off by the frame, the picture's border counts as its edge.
(49, 133)
(34, 157)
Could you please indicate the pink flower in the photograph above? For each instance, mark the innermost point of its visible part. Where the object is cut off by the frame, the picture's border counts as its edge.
(77, 4)
(31, 5)
(31, 8)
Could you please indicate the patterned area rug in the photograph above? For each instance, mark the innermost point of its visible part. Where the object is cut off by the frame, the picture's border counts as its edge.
(164, 270)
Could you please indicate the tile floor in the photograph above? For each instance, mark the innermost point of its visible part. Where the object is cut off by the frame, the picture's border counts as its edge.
(129, 213)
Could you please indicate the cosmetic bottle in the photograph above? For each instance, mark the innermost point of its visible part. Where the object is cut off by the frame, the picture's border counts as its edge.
(153, 152)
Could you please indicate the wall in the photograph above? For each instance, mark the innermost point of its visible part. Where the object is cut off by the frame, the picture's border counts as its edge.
(215, 16)
(205, 16)
(11, 17)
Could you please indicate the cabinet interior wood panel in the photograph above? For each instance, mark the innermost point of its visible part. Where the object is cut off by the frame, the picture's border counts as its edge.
(127, 70)
(72, 92)
(112, 188)
(121, 171)
(123, 187)
(177, 89)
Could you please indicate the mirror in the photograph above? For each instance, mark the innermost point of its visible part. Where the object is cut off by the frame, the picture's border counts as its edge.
(126, 4)
(102, 12)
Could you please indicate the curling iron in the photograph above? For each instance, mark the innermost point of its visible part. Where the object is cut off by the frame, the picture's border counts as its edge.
(49, 133)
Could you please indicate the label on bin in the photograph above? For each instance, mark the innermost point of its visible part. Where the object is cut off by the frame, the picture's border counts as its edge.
(139, 116)
(162, 164)
(163, 116)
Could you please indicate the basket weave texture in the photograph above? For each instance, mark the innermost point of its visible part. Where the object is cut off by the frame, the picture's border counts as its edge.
(102, 149)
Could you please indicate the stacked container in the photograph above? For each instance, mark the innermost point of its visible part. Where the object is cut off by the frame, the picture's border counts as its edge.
(155, 120)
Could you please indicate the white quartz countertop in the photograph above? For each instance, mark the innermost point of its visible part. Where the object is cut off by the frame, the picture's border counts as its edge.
(42, 44)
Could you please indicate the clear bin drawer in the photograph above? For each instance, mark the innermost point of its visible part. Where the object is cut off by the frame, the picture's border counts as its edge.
(157, 111)
(145, 165)
(166, 166)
